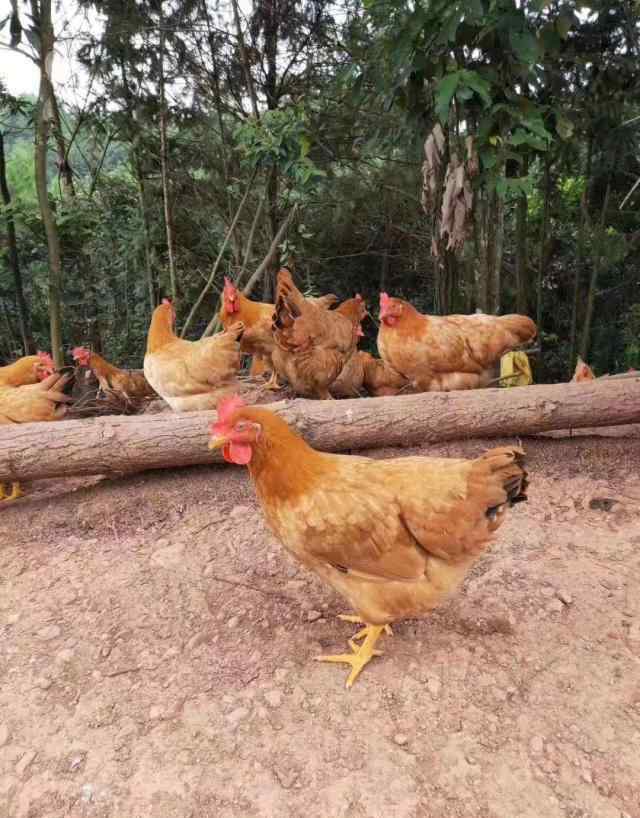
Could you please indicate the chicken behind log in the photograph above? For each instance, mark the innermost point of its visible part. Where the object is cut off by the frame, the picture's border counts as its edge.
(26, 370)
(312, 342)
(583, 372)
(33, 403)
(190, 375)
(381, 380)
(443, 353)
(257, 339)
(394, 537)
(128, 383)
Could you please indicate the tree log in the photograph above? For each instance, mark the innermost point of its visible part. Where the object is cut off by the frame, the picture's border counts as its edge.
(114, 445)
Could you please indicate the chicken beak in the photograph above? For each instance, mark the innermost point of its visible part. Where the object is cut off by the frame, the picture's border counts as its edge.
(217, 442)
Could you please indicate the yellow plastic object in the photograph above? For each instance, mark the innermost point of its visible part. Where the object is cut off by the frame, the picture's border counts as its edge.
(515, 369)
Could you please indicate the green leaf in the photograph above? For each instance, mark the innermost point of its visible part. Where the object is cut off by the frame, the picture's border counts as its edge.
(564, 127)
(479, 85)
(444, 94)
(525, 46)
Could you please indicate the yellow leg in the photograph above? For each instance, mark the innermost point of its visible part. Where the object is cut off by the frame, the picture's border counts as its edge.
(360, 655)
(272, 383)
(16, 491)
(358, 621)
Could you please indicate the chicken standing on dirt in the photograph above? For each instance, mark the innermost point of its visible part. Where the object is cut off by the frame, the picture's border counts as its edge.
(443, 353)
(313, 343)
(127, 383)
(190, 375)
(257, 339)
(394, 537)
(32, 403)
(583, 372)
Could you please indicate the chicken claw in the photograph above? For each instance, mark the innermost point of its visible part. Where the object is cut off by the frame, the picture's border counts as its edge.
(272, 384)
(16, 491)
(361, 655)
(358, 621)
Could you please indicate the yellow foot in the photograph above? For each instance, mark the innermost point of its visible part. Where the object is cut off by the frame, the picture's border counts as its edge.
(358, 621)
(361, 655)
(272, 384)
(16, 491)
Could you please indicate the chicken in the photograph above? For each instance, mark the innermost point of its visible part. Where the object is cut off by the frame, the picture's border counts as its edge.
(349, 383)
(583, 372)
(381, 380)
(190, 375)
(442, 353)
(394, 537)
(257, 339)
(129, 384)
(32, 403)
(313, 343)
(26, 370)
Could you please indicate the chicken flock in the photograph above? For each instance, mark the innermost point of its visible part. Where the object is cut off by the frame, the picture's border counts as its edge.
(392, 537)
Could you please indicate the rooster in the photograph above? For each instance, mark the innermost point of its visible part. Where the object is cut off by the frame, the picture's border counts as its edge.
(442, 353)
(313, 343)
(394, 537)
(190, 375)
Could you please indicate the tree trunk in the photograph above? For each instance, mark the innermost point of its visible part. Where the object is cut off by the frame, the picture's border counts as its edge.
(522, 261)
(595, 272)
(28, 343)
(164, 169)
(43, 118)
(117, 445)
(577, 272)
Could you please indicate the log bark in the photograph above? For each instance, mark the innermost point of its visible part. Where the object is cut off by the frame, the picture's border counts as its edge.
(117, 445)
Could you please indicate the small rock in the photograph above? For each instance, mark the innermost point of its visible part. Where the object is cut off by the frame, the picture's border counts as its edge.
(401, 739)
(169, 557)
(13, 618)
(155, 712)
(197, 639)
(313, 616)
(240, 511)
(434, 686)
(233, 621)
(273, 698)
(634, 632)
(64, 656)
(547, 591)
(49, 632)
(564, 596)
(536, 745)
(236, 716)
(25, 761)
(4, 735)
(281, 674)
(75, 763)
(86, 793)
(43, 683)
(555, 606)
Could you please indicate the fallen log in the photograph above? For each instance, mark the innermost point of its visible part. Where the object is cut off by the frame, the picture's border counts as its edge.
(115, 445)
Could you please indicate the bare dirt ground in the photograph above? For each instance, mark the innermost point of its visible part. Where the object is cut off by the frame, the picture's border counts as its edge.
(157, 659)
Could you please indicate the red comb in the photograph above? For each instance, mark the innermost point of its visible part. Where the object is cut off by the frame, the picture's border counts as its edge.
(358, 297)
(77, 352)
(166, 301)
(384, 299)
(228, 406)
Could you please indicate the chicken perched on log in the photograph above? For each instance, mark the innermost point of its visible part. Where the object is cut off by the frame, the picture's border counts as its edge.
(26, 370)
(190, 375)
(129, 384)
(442, 353)
(257, 339)
(313, 343)
(394, 537)
(33, 403)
